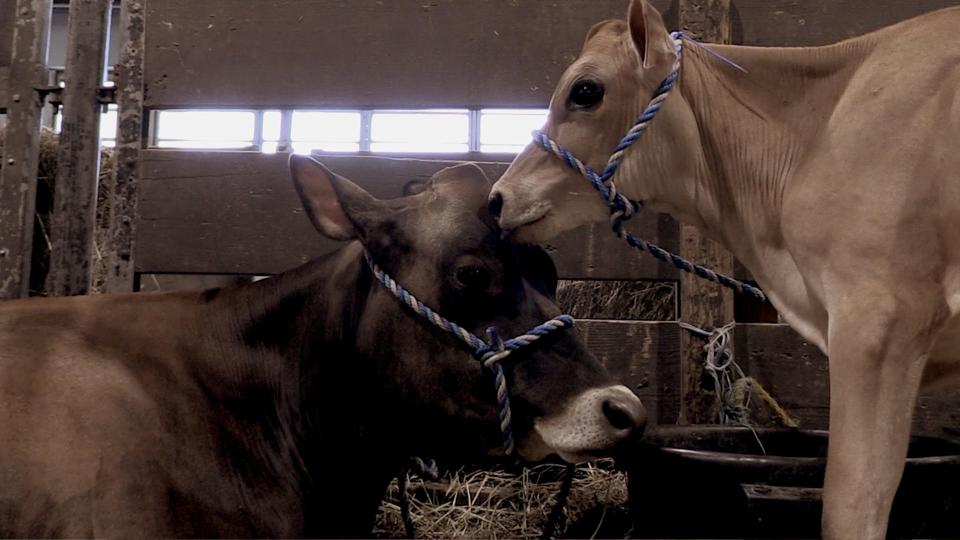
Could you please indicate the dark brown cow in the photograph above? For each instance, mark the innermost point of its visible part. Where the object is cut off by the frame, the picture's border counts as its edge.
(282, 408)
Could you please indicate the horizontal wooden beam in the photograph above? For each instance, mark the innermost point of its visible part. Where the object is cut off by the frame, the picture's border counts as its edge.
(364, 53)
(237, 213)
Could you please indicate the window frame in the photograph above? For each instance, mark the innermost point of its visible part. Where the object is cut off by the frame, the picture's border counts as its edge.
(474, 144)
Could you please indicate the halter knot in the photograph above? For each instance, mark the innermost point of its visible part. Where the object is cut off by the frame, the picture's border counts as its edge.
(493, 350)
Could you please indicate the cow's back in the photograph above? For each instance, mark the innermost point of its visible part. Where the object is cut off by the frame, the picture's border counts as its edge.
(78, 384)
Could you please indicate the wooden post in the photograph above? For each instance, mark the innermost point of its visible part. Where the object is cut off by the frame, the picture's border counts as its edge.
(18, 178)
(121, 200)
(78, 167)
(702, 303)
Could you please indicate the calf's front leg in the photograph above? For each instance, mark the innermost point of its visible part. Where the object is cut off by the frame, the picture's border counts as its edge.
(876, 366)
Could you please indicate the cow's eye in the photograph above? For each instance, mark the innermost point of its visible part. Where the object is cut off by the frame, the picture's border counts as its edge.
(586, 94)
(473, 278)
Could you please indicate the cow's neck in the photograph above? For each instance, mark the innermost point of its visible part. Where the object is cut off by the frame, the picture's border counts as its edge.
(286, 374)
(755, 129)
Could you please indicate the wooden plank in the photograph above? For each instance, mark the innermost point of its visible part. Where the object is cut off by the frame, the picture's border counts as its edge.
(792, 370)
(364, 53)
(236, 213)
(18, 177)
(644, 356)
(702, 303)
(593, 252)
(116, 273)
(7, 21)
(819, 22)
(796, 374)
(4, 87)
(74, 216)
(174, 282)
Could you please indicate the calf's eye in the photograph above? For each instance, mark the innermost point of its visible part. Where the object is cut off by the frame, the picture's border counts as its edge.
(473, 278)
(586, 94)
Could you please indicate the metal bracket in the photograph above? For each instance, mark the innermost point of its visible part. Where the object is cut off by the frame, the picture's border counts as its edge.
(106, 95)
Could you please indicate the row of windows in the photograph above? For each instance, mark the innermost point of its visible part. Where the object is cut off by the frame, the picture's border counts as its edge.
(382, 131)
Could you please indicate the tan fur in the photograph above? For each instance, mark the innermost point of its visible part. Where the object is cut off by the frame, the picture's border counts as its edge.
(832, 173)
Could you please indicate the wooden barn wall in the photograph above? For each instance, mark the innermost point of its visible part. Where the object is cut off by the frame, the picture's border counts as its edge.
(798, 23)
(364, 53)
(796, 373)
(237, 213)
(444, 53)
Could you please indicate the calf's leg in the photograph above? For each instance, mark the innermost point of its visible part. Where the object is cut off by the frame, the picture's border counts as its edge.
(877, 361)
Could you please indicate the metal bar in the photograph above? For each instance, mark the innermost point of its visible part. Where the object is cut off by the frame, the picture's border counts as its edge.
(366, 130)
(121, 202)
(474, 137)
(18, 177)
(258, 130)
(286, 126)
(702, 303)
(75, 191)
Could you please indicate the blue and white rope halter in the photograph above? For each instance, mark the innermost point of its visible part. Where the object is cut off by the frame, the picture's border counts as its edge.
(489, 353)
(621, 207)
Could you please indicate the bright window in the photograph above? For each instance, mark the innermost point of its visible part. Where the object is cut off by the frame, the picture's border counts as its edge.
(502, 131)
(108, 127)
(328, 131)
(508, 130)
(420, 131)
(214, 129)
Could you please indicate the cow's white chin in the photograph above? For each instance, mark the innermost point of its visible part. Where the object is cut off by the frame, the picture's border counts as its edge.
(582, 431)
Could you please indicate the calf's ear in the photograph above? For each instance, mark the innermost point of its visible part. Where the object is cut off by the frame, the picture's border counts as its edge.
(650, 36)
(337, 207)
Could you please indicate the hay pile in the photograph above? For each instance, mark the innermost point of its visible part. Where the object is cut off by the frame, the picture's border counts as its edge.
(638, 300)
(502, 503)
(46, 176)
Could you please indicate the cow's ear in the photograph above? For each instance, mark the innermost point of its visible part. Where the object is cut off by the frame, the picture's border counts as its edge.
(338, 208)
(650, 36)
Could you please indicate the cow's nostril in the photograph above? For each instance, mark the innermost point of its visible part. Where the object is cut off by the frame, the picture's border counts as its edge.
(496, 204)
(618, 417)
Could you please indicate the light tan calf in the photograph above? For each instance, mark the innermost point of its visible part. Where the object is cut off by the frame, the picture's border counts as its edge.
(832, 173)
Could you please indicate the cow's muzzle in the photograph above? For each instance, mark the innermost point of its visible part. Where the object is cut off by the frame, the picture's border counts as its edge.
(594, 424)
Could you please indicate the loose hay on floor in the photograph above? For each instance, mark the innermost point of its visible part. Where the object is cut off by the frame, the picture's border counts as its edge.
(503, 504)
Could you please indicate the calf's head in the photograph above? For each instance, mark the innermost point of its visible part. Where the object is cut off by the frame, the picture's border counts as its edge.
(595, 103)
(443, 246)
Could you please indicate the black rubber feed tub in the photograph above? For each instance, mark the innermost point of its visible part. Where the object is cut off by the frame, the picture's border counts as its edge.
(717, 482)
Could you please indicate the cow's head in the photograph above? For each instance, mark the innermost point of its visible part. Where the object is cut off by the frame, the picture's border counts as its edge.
(444, 247)
(594, 105)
